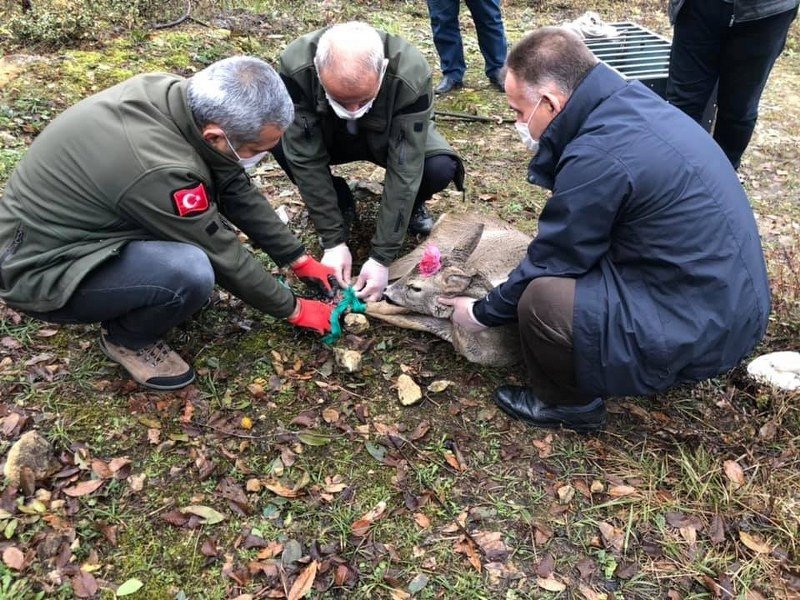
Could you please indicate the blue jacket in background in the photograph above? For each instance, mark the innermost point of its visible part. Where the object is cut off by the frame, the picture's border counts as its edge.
(650, 218)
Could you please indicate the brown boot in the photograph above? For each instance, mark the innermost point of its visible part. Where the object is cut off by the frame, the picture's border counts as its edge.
(156, 366)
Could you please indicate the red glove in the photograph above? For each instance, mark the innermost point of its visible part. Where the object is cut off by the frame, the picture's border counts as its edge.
(313, 273)
(313, 314)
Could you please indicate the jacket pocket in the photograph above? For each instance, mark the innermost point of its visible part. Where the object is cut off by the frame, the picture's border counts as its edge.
(10, 250)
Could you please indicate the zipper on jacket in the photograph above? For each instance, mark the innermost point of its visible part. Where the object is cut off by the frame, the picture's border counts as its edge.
(733, 18)
(402, 141)
(399, 222)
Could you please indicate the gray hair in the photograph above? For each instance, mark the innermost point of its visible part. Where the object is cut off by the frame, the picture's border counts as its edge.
(361, 41)
(242, 95)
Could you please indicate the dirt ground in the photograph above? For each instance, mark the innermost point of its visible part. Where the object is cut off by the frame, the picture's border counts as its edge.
(279, 475)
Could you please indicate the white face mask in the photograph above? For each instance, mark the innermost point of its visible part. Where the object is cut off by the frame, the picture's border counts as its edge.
(524, 131)
(352, 115)
(250, 161)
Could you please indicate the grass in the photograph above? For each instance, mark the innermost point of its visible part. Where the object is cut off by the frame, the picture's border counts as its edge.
(656, 478)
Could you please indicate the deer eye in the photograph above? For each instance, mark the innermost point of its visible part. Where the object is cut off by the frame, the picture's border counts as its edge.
(415, 288)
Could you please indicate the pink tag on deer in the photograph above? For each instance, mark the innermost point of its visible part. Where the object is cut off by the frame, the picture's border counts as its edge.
(431, 261)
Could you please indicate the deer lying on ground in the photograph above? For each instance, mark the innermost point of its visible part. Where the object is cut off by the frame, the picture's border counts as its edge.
(475, 254)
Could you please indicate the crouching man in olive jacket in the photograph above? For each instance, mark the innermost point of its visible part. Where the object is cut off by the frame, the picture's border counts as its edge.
(115, 214)
(362, 94)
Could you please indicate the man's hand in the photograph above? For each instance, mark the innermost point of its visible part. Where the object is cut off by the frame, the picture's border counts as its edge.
(312, 314)
(314, 274)
(338, 258)
(462, 313)
(372, 281)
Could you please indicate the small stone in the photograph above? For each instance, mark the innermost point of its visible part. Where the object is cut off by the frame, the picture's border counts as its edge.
(31, 450)
(597, 487)
(349, 360)
(253, 485)
(408, 391)
(356, 323)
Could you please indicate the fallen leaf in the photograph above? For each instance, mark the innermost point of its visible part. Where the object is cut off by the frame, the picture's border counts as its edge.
(566, 493)
(208, 514)
(247, 423)
(618, 491)
(550, 584)
(408, 391)
(281, 490)
(398, 594)
(546, 566)
(612, 536)
(312, 438)
(83, 488)
(330, 415)
(14, 558)
(439, 386)
(734, 473)
(84, 584)
(754, 543)
(465, 546)
(302, 585)
(418, 583)
(422, 520)
(46, 333)
(131, 586)
(589, 594)
(717, 531)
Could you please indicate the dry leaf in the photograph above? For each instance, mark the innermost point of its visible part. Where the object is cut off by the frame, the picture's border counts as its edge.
(734, 473)
(208, 514)
(618, 491)
(83, 488)
(612, 536)
(465, 546)
(566, 493)
(422, 520)
(281, 490)
(439, 386)
(304, 582)
(408, 391)
(398, 594)
(589, 594)
(14, 558)
(452, 460)
(550, 584)
(754, 543)
(330, 415)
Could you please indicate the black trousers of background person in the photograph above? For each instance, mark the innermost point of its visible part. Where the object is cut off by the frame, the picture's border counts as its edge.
(545, 328)
(437, 173)
(706, 49)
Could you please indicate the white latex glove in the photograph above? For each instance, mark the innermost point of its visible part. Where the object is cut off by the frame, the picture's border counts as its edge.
(338, 258)
(463, 316)
(372, 280)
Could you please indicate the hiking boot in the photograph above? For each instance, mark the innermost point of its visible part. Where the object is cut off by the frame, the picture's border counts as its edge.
(156, 366)
(521, 403)
(421, 221)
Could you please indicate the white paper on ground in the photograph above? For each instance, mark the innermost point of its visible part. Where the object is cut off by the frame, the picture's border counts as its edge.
(781, 369)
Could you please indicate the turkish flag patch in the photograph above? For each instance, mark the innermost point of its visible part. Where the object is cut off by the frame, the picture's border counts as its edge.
(190, 200)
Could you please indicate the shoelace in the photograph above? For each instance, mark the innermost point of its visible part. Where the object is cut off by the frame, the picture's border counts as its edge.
(154, 353)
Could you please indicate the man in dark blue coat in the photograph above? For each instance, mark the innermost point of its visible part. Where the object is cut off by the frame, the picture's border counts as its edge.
(647, 268)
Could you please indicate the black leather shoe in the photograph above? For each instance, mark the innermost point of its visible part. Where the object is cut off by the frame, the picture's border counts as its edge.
(521, 403)
(421, 221)
(447, 85)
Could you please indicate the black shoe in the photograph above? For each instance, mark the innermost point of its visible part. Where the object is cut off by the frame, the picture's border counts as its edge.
(421, 221)
(495, 81)
(447, 85)
(521, 403)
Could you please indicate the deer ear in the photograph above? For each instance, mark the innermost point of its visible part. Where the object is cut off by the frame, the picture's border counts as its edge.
(465, 246)
(455, 280)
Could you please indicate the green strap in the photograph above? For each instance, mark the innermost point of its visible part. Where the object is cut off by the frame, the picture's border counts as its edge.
(348, 302)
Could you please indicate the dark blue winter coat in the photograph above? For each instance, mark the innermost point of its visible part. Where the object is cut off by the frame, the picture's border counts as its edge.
(650, 218)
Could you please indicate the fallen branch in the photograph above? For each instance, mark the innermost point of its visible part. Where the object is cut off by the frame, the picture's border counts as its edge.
(462, 116)
(185, 17)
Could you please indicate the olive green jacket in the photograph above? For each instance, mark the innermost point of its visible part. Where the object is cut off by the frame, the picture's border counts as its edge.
(129, 163)
(397, 133)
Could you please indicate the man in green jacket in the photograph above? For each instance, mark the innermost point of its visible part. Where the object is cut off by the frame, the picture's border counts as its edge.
(119, 213)
(361, 94)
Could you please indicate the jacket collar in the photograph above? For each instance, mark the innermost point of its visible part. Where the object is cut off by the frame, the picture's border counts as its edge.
(221, 164)
(600, 83)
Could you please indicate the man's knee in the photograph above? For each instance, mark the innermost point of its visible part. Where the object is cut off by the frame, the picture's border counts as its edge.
(191, 273)
(545, 308)
(439, 171)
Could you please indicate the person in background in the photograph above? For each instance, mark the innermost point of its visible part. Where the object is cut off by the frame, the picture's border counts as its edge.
(119, 213)
(733, 44)
(362, 94)
(647, 268)
(447, 38)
